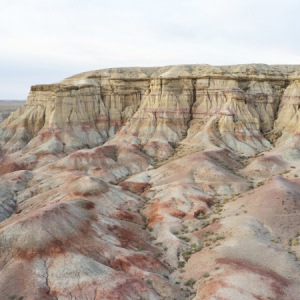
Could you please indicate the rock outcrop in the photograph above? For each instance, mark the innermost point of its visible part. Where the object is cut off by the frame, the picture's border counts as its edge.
(176, 182)
(155, 107)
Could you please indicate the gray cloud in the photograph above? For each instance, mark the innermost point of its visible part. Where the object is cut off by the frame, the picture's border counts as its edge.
(45, 41)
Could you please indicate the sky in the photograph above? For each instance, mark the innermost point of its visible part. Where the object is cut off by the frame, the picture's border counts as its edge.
(49, 40)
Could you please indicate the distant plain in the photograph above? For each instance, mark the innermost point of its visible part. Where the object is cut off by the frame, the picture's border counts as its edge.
(9, 106)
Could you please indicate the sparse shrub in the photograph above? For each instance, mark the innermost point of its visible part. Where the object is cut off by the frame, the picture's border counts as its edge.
(190, 282)
(150, 229)
(149, 281)
(260, 184)
(295, 175)
(185, 238)
(217, 238)
(225, 200)
(205, 224)
(180, 264)
(165, 248)
(198, 248)
(295, 241)
(166, 276)
(139, 247)
(215, 219)
(274, 240)
(186, 254)
(206, 274)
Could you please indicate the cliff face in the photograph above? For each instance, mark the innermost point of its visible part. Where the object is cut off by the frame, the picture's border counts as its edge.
(158, 106)
(194, 154)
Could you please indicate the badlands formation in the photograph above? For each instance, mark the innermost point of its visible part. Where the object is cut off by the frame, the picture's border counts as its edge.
(176, 182)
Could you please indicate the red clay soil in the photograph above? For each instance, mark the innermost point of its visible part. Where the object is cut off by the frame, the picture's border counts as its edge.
(9, 167)
(279, 283)
(135, 187)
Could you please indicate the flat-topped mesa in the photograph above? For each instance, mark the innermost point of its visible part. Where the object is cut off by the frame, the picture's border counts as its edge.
(81, 113)
(230, 106)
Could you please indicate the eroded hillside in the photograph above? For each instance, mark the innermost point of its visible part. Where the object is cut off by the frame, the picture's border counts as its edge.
(176, 182)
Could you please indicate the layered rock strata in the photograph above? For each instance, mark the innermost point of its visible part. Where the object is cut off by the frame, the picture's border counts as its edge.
(176, 182)
(157, 106)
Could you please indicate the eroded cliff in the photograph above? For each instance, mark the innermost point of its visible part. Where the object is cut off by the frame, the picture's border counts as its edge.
(153, 183)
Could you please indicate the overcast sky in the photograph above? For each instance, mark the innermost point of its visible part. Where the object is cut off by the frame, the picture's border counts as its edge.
(43, 41)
